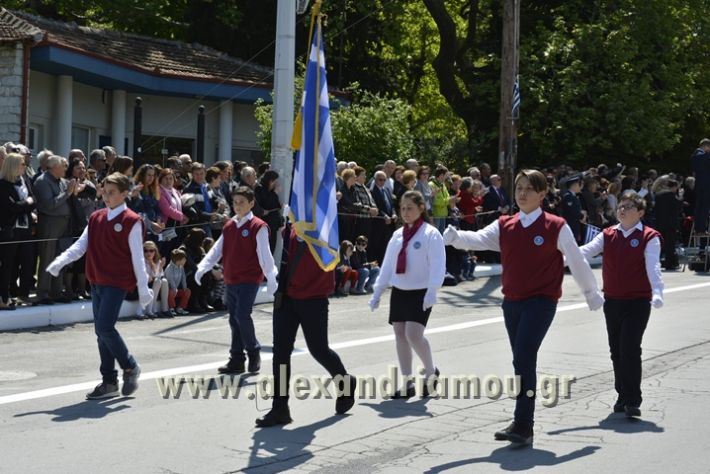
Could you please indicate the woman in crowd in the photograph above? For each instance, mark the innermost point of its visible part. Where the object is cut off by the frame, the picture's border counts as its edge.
(171, 214)
(154, 265)
(83, 203)
(367, 208)
(147, 202)
(347, 208)
(16, 205)
(422, 185)
(218, 202)
(267, 198)
(192, 246)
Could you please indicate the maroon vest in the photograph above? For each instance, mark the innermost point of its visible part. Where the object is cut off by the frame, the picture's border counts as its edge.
(239, 257)
(624, 264)
(108, 258)
(532, 264)
(308, 281)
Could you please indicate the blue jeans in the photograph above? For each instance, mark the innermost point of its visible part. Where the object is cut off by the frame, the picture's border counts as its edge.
(440, 223)
(106, 302)
(240, 300)
(527, 322)
(368, 275)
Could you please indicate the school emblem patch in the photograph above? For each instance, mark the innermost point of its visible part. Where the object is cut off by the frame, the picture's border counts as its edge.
(245, 233)
(538, 240)
(118, 227)
(417, 245)
(634, 243)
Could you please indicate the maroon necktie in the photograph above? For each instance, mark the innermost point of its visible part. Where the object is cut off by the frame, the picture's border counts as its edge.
(407, 234)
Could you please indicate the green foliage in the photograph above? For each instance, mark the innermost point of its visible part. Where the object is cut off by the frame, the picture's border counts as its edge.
(371, 130)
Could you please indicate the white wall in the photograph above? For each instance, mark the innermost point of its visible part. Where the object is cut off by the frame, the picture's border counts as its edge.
(162, 116)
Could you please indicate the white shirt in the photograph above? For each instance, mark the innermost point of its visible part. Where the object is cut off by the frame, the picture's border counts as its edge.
(263, 251)
(488, 238)
(426, 261)
(135, 243)
(651, 255)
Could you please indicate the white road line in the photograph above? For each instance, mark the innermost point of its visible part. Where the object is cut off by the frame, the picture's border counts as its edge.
(193, 369)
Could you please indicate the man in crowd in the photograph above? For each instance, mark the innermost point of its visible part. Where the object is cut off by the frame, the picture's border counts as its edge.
(700, 161)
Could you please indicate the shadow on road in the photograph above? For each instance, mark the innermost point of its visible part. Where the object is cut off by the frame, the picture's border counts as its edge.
(618, 423)
(88, 409)
(511, 458)
(282, 448)
(400, 408)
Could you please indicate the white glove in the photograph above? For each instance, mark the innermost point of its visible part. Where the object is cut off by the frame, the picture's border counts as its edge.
(54, 268)
(145, 298)
(657, 301)
(374, 303)
(429, 298)
(595, 300)
(271, 286)
(198, 277)
(451, 235)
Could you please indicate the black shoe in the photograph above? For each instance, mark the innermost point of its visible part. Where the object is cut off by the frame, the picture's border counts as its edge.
(130, 381)
(619, 406)
(277, 416)
(103, 390)
(632, 411)
(503, 434)
(346, 401)
(232, 367)
(425, 390)
(520, 434)
(254, 362)
(404, 395)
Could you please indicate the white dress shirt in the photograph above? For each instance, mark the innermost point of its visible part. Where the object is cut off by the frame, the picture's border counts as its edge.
(263, 251)
(135, 243)
(488, 238)
(426, 261)
(651, 255)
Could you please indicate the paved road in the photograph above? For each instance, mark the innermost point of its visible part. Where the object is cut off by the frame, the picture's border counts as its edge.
(45, 423)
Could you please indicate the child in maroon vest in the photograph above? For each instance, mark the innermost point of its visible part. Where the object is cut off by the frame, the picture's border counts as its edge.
(246, 258)
(632, 284)
(113, 243)
(532, 244)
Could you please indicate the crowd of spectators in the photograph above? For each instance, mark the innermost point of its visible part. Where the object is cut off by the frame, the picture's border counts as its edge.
(185, 204)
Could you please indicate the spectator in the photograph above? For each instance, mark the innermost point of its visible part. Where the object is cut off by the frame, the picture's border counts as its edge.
(367, 270)
(76, 155)
(147, 203)
(441, 200)
(367, 208)
(486, 177)
(52, 194)
(423, 187)
(157, 281)
(347, 208)
(591, 202)
(471, 202)
(97, 161)
(397, 185)
(263, 168)
(411, 164)
(83, 204)
(202, 207)
(170, 212)
(218, 291)
(668, 209)
(345, 276)
(123, 165)
(571, 207)
(177, 283)
(384, 225)
(267, 198)
(194, 253)
(218, 201)
(16, 204)
(249, 180)
(42, 158)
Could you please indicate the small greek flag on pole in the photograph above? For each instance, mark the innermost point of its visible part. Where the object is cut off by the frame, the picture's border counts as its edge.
(590, 233)
(516, 96)
(314, 210)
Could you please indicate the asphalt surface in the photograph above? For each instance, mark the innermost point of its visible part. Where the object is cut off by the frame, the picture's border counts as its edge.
(46, 425)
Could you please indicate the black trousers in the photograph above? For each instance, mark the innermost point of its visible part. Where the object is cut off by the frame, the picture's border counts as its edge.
(312, 316)
(668, 249)
(626, 322)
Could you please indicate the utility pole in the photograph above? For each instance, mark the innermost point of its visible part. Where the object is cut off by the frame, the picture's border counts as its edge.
(282, 119)
(508, 123)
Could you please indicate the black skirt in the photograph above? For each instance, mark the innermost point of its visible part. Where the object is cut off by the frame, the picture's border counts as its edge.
(406, 305)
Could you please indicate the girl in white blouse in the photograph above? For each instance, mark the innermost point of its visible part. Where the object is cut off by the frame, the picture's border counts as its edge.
(414, 265)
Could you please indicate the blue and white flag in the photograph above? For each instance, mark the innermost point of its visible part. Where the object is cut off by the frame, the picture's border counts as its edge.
(314, 209)
(590, 233)
(516, 96)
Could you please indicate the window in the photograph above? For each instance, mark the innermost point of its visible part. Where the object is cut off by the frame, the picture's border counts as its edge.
(80, 138)
(35, 138)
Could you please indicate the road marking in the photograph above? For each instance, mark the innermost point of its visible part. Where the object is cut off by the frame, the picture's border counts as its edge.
(191, 369)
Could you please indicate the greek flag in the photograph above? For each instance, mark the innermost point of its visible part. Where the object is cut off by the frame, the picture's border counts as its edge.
(590, 233)
(516, 96)
(314, 210)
